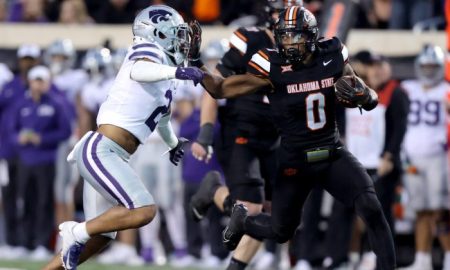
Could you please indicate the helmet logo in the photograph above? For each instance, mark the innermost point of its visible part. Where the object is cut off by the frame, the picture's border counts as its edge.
(159, 15)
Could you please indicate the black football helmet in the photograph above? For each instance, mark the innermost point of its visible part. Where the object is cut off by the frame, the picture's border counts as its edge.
(296, 34)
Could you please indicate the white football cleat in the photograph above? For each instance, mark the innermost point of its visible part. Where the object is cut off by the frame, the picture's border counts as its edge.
(71, 249)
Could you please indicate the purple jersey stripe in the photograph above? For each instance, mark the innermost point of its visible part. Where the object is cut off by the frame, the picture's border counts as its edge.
(92, 172)
(138, 54)
(144, 45)
(108, 175)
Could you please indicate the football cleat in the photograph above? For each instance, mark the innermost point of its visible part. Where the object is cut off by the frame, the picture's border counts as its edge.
(204, 197)
(233, 233)
(71, 248)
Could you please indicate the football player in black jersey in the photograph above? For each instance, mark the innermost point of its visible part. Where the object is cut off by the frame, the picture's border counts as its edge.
(301, 74)
(249, 137)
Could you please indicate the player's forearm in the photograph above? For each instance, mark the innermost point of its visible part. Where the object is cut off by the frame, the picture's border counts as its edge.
(166, 132)
(208, 112)
(213, 84)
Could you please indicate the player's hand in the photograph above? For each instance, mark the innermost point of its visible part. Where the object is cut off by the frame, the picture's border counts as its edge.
(189, 73)
(195, 34)
(202, 152)
(177, 152)
(386, 166)
(23, 138)
(351, 91)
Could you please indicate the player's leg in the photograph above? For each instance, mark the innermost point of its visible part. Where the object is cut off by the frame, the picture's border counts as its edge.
(349, 182)
(288, 196)
(104, 165)
(246, 187)
(437, 173)
(417, 185)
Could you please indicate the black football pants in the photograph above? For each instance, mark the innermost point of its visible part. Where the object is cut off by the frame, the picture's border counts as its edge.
(345, 179)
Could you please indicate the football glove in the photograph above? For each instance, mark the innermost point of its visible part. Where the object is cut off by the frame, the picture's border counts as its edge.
(351, 91)
(195, 34)
(177, 152)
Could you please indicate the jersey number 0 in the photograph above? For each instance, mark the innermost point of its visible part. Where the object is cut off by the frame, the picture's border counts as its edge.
(315, 111)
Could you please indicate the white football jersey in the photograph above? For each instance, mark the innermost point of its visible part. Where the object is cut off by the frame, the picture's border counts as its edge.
(70, 82)
(94, 93)
(136, 106)
(426, 134)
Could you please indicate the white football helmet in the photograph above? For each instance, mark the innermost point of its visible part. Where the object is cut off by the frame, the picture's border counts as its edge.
(165, 26)
(97, 62)
(429, 65)
(60, 56)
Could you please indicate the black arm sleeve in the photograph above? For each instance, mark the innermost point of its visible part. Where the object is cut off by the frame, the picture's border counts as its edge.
(396, 122)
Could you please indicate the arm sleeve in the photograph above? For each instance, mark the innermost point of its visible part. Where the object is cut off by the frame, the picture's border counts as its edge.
(166, 132)
(62, 130)
(396, 122)
(146, 71)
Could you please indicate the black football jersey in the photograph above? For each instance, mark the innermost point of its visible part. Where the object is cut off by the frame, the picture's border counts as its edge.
(303, 98)
(252, 112)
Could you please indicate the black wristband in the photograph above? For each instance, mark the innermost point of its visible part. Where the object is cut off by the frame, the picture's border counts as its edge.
(206, 134)
(196, 63)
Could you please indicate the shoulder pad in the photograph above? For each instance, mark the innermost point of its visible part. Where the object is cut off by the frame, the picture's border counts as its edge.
(330, 44)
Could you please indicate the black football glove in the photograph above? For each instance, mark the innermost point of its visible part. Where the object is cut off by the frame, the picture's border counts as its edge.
(351, 91)
(177, 152)
(195, 34)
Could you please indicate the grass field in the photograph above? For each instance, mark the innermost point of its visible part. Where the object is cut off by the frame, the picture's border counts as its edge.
(27, 265)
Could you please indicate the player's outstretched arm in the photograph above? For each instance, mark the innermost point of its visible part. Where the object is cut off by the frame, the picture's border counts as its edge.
(361, 94)
(233, 86)
(144, 70)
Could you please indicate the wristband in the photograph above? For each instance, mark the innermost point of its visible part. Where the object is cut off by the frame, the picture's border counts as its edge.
(206, 134)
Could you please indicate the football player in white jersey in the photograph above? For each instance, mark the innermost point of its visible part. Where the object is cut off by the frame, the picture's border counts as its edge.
(425, 147)
(138, 103)
(60, 58)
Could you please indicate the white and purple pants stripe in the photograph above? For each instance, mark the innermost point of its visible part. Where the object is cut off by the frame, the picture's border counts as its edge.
(104, 166)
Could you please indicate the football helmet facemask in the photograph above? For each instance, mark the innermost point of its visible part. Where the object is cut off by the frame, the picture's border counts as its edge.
(296, 34)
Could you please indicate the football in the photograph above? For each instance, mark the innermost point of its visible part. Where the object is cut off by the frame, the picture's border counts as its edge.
(346, 87)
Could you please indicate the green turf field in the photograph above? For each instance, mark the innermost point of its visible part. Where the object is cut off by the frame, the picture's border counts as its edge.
(27, 265)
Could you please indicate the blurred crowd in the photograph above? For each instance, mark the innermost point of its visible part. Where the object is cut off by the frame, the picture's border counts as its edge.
(379, 14)
(49, 102)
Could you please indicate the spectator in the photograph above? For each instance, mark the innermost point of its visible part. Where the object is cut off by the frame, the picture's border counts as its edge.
(406, 13)
(74, 12)
(37, 124)
(425, 149)
(116, 12)
(28, 56)
(3, 10)
(60, 58)
(375, 137)
(374, 14)
(31, 11)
